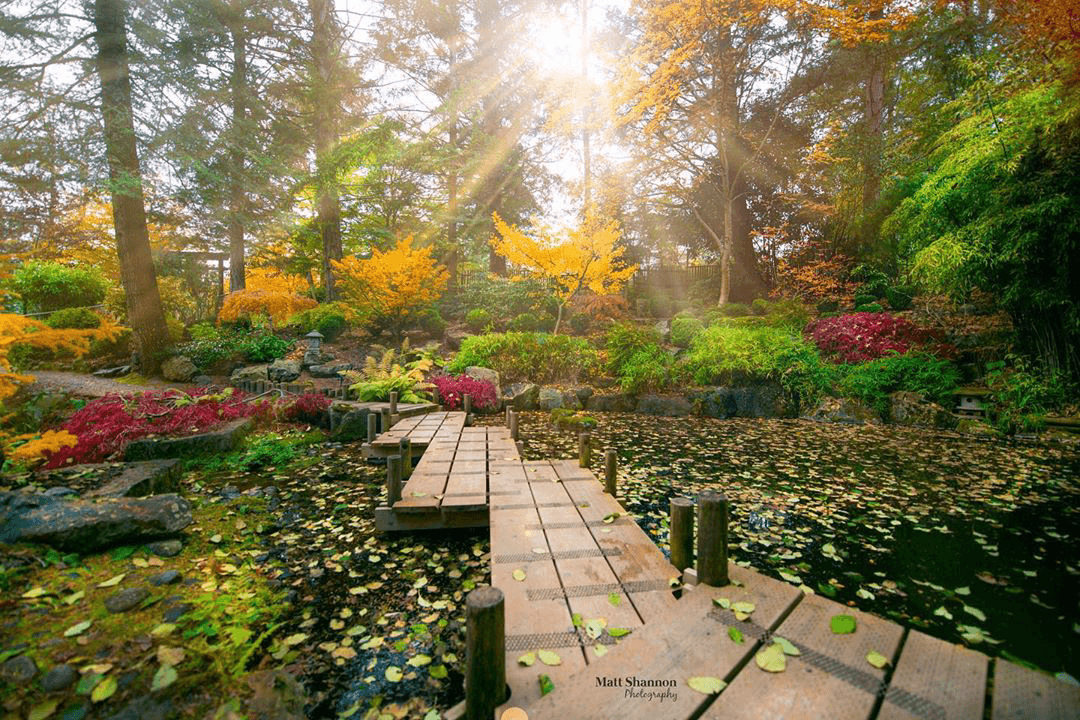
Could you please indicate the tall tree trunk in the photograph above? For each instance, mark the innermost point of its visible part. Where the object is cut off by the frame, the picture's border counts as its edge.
(237, 196)
(873, 123)
(326, 61)
(150, 333)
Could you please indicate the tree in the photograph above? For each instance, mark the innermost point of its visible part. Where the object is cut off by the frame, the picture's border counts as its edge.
(391, 289)
(147, 319)
(587, 257)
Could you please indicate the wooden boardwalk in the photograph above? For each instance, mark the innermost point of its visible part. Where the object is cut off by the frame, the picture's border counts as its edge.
(422, 431)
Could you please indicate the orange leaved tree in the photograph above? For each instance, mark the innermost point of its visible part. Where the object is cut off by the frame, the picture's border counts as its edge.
(267, 292)
(584, 258)
(392, 289)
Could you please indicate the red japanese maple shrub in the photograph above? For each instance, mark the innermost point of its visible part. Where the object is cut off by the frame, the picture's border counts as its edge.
(308, 408)
(865, 336)
(106, 425)
(453, 389)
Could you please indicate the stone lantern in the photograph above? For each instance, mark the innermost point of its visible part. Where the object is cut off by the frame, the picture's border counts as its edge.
(314, 342)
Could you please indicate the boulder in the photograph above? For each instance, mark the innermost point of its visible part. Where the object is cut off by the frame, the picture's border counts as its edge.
(614, 402)
(666, 405)
(909, 408)
(250, 373)
(221, 439)
(483, 374)
(454, 338)
(202, 381)
(664, 328)
(718, 402)
(138, 479)
(58, 678)
(178, 368)
(284, 370)
(583, 394)
(521, 396)
(331, 370)
(549, 398)
(349, 423)
(83, 526)
(843, 410)
(165, 548)
(126, 599)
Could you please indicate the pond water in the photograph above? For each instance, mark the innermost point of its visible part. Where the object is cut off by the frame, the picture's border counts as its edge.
(969, 540)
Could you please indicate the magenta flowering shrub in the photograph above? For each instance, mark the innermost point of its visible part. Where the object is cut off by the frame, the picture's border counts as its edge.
(452, 390)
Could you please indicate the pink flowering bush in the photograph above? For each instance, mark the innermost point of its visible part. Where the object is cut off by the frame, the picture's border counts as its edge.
(862, 337)
(453, 389)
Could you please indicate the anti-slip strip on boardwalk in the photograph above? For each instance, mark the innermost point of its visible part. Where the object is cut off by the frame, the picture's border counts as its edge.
(490, 493)
(578, 591)
(530, 506)
(621, 520)
(558, 555)
(915, 704)
(517, 643)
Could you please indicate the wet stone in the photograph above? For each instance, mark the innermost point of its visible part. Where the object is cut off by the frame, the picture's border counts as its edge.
(18, 670)
(166, 548)
(58, 678)
(176, 612)
(75, 712)
(166, 578)
(126, 599)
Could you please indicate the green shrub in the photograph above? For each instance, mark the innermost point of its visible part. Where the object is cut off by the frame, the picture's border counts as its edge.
(648, 369)
(478, 320)
(432, 323)
(624, 340)
(525, 322)
(683, 330)
(871, 281)
(1022, 395)
(828, 306)
(914, 371)
(900, 297)
(580, 323)
(378, 378)
(502, 297)
(79, 318)
(790, 314)
(760, 306)
(874, 307)
(328, 319)
(725, 353)
(734, 310)
(214, 345)
(660, 306)
(45, 286)
(862, 299)
(533, 357)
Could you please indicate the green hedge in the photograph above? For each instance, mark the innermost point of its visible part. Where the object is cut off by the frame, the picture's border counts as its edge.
(532, 357)
(914, 371)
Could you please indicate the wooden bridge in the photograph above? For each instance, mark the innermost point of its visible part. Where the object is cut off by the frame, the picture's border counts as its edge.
(592, 629)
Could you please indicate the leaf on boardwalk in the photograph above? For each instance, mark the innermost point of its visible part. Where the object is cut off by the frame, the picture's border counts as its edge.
(519, 575)
(610, 518)
(787, 646)
(771, 659)
(618, 632)
(546, 685)
(549, 657)
(743, 609)
(877, 659)
(594, 627)
(722, 602)
(600, 650)
(735, 634)
(577, 619)
(706, 685)
(842, 624)
(527, 659)
(614, 599)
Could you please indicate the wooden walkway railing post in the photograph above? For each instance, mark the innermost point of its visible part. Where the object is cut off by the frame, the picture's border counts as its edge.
(611, 476)
(372, 427)
(681, 533)
(435, 395)
(384, 416)
(393, 479)
(405, 449)
(584, 449)
(712, 545)
(513, 425)
(393, 403)
(520, 445)
(485, 652)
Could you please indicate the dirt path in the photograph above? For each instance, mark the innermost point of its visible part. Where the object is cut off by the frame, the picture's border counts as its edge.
(90, 386)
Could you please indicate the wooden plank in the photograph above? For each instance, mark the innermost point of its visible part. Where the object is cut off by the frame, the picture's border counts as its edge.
(388, 520)
(830, 680)
(1024, 694)
(693, 642)
(936, 679)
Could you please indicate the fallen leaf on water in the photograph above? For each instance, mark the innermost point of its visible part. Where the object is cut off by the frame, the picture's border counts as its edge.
(393, 673)
(170, 655)
(35, 593)
(419, 661)
(164, 677)
(78, 629)
(104, 690)
(975, 612)
(43, 710)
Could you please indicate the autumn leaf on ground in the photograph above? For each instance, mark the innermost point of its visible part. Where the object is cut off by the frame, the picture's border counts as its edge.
(771, 659)
(527, 659)
(549, 657)
(842, 624)
(876, 659)
(706, 685)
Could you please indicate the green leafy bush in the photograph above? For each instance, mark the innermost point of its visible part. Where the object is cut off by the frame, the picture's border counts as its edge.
(683, 330)
(828, 306)
(533, 357)
(914, 371)
(378, 378)
(760, 306)
(874, 307)
(900, 297)
(580, 323)
(649, 369)
(862, 299)
(723, 354)
(624, 340)
(328, 319)
(78, 318)
(525, 322)
(478, 320)
(214, 345)
(871, 282)
(789, 314)
(432, 323)
(45, 286)
(734, 310)
(1022, 395)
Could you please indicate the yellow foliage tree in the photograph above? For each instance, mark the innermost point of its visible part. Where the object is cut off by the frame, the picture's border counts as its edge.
(584, 258)
(391, 289)
(267, 291)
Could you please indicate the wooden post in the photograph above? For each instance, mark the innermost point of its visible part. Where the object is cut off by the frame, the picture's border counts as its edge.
(435, 394)
(584, 449)
(712, 546)
(466, 403)
(393, 479)
(393, 403)
(611, 475)
(681, 533)
(520, 445)
(508, 411)
(485, 653)
(513, 424)
(405, 448)
(384, 420)
(372, 427)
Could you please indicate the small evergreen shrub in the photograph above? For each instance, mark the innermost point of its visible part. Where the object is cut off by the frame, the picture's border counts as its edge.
(532, 357)
(624, 340)
(1022, 396)
(648, 369)
(789, 314)
(432, 323)
(328, 319)
(900, 298)
(478, 320)
(77, 318)
(45, 286)
(872, 382)
(683, 330)
(213, 345)
(866, 336)
(862, 299)
(734, 310)
(871, 281)
(525, 322)
(454, 388)
(870, 308)
(760, 306)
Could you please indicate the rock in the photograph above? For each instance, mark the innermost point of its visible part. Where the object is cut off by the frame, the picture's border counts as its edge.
(454, 338)
(666, 405)
(166, 578)
(83, 526)
(349, 422)
(972, 426)
(716, 402)
(59, 491)
(202, 381)
(165, 548)
(664, 328)
(329, 371)
(549, 398)
(760, 400)
(176, 612)
(284, 370)
(908, 408)
(144, 708)
(18, 670)
(843, 410)
(583, 394)
(251, 373)
(521, 396)
(178, 368)
(139, 479)
(58, 678)
(613, 402)
(126, 599)
(483, 374)
(112, 372)
(218, 440)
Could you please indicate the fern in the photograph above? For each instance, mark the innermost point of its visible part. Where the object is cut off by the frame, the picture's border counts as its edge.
(379, 377)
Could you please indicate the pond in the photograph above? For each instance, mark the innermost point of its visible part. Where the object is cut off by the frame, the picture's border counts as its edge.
(969, 540)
